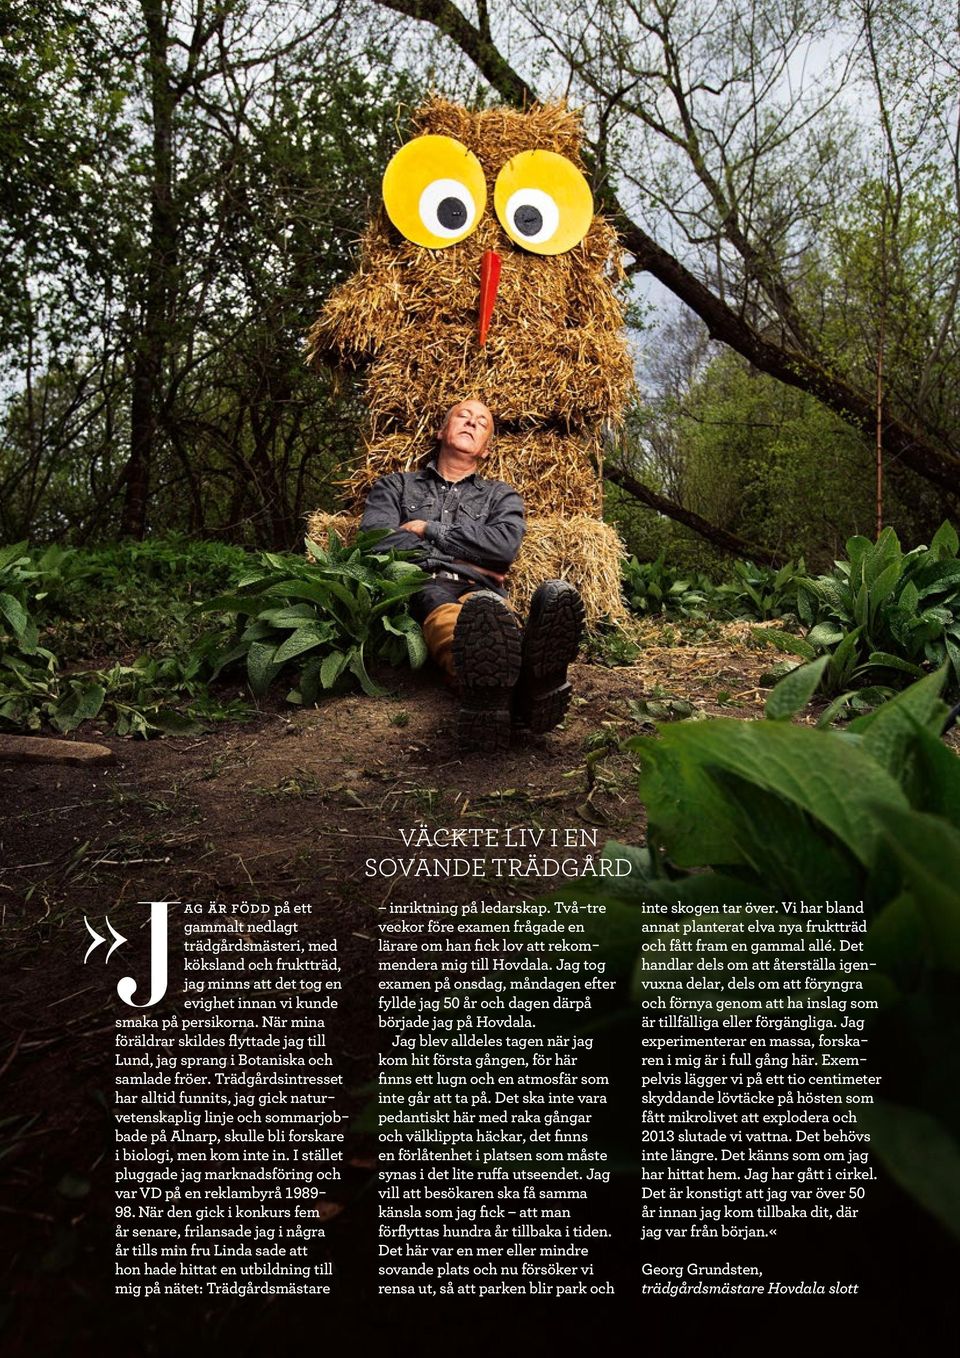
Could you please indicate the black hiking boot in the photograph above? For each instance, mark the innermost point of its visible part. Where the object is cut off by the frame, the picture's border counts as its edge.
(486, 657)
(551, 640)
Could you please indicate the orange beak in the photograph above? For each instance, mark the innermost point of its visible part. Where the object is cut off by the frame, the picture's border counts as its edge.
(489, 282)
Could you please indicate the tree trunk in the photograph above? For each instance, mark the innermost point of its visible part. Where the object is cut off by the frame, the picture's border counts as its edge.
(159, 283)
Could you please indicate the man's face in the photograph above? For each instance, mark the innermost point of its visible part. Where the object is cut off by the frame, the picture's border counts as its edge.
(468, 428)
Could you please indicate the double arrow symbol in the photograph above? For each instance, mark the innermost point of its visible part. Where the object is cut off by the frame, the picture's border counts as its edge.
(99, 938)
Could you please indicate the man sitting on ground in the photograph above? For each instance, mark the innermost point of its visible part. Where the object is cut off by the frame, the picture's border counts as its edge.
(467, 531)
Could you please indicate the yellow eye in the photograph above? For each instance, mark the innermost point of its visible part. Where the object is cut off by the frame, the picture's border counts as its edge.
(434, 191)
(543, 202)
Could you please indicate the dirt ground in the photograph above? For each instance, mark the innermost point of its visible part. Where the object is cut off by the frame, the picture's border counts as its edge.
(285, 807)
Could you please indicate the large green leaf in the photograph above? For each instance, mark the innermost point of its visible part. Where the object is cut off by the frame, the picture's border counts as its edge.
(884, 554)
(843, 660)
(945, 542)
(316, 552)
(290, 617)
(937, 786)
(357, 668)
(793, 692)
(303, 640)
(15, 613)
(332, 666)
(409, 629)
(885, 660)
(82, 704)
(228, 657)
(895, 938)
(256, 630)
(685, 808)
(889, 733)
(231, 603)
(316, 591)
(416, 647)
(353, 604)
(784, 641)
(884, 585)
(857, 548)
(825, 634)
(13, 555)
(928, 851)
(261, 671)
(788, 850)
(176, 723)
(920, 1154)
(936, 577)
(831, 779)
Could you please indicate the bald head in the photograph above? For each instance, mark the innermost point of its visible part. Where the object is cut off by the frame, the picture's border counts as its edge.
(467, 429)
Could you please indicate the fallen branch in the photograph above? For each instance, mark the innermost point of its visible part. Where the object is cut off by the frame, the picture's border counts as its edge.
(719, 537)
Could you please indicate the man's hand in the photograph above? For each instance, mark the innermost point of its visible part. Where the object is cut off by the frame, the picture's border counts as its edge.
(418, 526)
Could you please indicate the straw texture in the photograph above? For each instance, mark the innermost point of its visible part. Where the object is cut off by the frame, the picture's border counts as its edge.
(555, 369)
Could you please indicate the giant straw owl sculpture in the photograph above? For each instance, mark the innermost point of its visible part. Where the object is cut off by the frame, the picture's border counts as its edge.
(487, 274)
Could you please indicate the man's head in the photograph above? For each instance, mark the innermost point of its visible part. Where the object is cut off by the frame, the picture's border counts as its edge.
(467, 429)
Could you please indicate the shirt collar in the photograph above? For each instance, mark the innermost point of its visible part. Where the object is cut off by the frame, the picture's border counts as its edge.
(432, 467)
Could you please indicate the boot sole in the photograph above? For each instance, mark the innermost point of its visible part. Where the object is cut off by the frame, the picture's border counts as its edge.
(550, 644)
(486, 657)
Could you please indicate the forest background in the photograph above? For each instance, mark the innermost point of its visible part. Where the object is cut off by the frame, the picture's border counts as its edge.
(183, 182)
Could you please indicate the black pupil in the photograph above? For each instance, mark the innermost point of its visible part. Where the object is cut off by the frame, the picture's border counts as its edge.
(527, 219)
(452, 213)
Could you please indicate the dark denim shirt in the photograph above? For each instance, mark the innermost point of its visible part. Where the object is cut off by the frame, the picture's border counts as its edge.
(472, 520)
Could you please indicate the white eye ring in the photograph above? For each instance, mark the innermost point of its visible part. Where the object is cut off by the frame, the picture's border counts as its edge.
(542, 203)
(429, 206)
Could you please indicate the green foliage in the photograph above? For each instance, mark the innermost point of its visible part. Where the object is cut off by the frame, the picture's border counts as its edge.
(653, 587)
(326, 618)
(240, 219)
(768, 812)
(894, 247)
(58, 115)
(761, 592)
(885, 616)
(21, 654)
(610, 646)
(133, 601)
(770, 463)
(760, 459)
(133, 609)
(135, 598)
(881, 618)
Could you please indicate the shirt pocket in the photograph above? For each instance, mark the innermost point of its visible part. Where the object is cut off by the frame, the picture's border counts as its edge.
(475, 508)
(419, 504)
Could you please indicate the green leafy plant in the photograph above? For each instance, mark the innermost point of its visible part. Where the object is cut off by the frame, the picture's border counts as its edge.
(760, 592)
(610, 646)
(653, 587)
(326, 618)
(73, 600)
(885, 616)
(770, 811)
(25, 665)
(132, 609)
(754, 592)
(136, 598)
